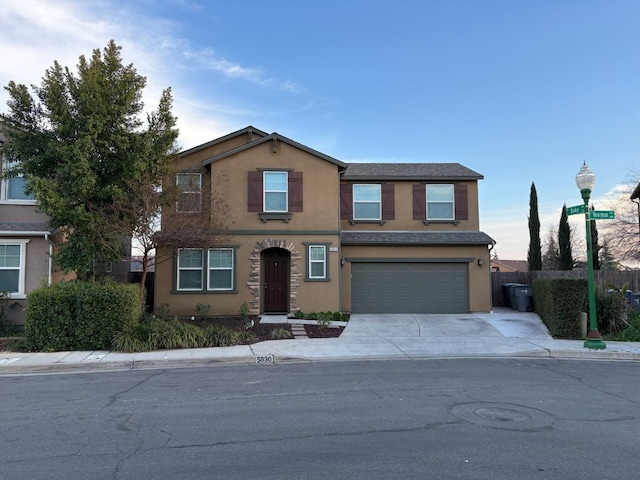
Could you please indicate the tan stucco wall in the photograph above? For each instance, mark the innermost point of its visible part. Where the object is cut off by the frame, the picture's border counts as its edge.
(320, 187)
(479, 277)
(310, 295)
(403, 196)
(12, 212)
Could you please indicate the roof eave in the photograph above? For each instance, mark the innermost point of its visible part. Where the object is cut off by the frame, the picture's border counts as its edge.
(636, 192)
(429, 178)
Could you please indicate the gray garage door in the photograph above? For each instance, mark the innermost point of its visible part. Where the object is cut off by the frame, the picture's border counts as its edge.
(409, 288)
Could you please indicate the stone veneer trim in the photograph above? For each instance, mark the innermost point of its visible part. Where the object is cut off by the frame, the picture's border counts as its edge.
(254, 283)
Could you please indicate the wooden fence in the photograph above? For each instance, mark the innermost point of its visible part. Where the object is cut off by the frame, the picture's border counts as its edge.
(604, 279)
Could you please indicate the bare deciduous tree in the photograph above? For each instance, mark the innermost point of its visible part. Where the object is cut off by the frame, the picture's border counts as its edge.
(623, 233)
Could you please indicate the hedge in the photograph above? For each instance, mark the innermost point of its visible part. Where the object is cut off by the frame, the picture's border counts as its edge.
(79, 315)
(558, 302)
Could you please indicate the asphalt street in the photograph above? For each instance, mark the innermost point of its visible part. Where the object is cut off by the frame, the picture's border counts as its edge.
(491, 418)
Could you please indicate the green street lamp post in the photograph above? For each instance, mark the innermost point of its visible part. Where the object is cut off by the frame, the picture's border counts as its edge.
(585, 179)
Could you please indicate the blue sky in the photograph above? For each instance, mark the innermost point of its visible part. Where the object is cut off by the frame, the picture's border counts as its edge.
(519, 91)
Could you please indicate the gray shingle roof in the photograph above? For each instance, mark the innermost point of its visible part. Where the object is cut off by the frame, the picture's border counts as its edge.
(413, 171)
(416, 238)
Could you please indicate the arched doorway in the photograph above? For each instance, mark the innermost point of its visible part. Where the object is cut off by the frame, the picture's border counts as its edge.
(276, 265)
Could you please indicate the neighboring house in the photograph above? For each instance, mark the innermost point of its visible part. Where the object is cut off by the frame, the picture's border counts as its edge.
(26, 244)
(509, 266)
(313, 233)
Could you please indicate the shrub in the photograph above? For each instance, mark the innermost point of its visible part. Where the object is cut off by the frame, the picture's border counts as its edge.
(612, 311)
(632, 332)
(280, 333)
(80, 315)
(558, 302)
(218, 336)
(202, 309)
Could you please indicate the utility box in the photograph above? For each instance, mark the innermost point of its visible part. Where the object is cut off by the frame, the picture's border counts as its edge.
(522, 298)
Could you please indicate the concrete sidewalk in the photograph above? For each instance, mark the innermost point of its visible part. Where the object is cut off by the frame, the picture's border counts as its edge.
(503, 333)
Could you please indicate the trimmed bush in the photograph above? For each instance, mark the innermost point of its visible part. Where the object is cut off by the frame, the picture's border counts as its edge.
(558, 302)
(80, 315)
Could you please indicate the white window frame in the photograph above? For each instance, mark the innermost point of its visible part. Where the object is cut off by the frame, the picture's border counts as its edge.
(180, 269)
(20, 294)
(311, 262)
(379, 201)
(231, 269)
(4, 188)
(197, 191)
(452, 201)
(265, 191)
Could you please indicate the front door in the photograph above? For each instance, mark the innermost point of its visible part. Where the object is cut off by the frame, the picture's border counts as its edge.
(275, 263)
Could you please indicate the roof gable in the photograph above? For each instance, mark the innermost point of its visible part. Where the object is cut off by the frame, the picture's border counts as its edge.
(274, 137)
(249, 131)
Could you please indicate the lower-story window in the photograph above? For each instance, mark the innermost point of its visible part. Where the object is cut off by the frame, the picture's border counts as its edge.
(221, 269)
(190, 269)
(218, 263)
(317, 265)
(12, 267)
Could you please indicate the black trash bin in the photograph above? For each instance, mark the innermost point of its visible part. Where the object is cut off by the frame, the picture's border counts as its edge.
(507, 293)
(522, 298)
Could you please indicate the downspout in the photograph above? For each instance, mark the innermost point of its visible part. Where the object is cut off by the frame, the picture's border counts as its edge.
(46, 237)
(493, 244)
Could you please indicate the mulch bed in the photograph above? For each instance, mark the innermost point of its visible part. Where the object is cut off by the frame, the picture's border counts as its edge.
(262, 331)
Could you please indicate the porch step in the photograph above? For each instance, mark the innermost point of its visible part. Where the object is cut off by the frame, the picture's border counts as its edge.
(298, 331)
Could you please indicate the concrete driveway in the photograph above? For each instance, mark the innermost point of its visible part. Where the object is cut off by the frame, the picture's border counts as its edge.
(503, 322)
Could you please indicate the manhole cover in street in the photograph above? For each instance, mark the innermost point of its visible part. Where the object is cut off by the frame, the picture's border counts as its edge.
(503, 416)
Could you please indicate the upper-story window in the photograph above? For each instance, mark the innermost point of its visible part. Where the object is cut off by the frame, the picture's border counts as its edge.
(276, 191)
(190, 199)
(13, 188)
(440, 202)
(274, 194)
(367, 202)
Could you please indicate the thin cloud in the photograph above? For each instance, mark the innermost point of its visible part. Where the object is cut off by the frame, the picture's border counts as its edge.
(209, 59)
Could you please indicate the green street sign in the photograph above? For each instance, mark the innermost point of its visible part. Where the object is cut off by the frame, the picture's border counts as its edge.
(575, 210)
(601, 215)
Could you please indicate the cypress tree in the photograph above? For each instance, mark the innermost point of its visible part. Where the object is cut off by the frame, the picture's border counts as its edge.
(534, 255)
(595, 246)
(564, 241)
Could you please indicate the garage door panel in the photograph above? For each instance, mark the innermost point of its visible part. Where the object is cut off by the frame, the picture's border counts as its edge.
(409, 287)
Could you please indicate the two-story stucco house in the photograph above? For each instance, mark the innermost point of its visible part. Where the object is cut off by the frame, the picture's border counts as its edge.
(313, 233)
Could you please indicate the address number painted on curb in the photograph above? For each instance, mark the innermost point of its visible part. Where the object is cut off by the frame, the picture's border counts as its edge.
(265, 359)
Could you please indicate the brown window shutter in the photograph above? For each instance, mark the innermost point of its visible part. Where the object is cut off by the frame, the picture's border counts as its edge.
(388, 202)
(255, 192)
(346, 201)
(419, 202)
(295, 191)
(462, 204)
